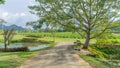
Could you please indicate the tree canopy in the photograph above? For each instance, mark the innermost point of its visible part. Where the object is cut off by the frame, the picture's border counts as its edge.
(2, 1)
(89, 18)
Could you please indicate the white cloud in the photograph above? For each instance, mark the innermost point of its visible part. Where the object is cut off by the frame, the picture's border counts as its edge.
(5, 14)
(23, 14)
(17, 16)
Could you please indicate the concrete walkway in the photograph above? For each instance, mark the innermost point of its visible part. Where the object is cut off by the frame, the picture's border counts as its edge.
(60, 56)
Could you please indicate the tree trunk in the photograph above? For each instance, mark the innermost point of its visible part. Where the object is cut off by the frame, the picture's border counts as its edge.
(5, 44)
(5, 41)
(53, 35)
(87, 42)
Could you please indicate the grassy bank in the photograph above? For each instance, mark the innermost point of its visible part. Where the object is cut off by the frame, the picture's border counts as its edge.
(94, 62)
(103, 57)
(15, 59)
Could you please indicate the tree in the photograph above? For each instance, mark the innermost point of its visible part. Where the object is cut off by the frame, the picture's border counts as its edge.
(46, 21)
(89, 18)
(8, 35)
(2, 1)
(37, 25)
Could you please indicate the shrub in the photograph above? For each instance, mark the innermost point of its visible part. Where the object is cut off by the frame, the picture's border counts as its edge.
(108, 52)
(14, 49)
(115, 41)
(29, 40)
(97, 53)
(102, 40)
(112, 36)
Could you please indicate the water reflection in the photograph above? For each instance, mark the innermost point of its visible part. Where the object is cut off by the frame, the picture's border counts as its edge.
(31, 46)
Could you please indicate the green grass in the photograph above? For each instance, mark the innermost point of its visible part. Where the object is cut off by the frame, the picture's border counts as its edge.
(14, 59)
(94, 62)
(16, 38)
(64, 39)
(100, 56)
(59, 36)
(57, 39)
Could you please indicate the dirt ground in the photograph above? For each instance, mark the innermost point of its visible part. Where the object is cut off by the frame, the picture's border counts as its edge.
(60, 56)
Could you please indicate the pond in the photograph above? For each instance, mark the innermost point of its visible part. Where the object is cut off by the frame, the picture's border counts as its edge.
(31, 46)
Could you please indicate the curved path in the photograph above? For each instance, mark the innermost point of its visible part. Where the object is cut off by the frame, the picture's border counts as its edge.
(60, 56)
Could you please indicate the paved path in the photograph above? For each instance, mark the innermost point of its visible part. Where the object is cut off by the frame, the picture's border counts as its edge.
(60, 56)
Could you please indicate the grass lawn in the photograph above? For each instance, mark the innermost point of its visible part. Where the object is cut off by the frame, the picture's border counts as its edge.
(14, 59)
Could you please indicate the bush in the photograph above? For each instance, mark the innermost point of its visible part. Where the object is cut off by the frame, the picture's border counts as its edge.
(95, 52)
(112, 36)
(35, 36)
(102, 40)
(29, 40)
(108, 52)
(14, 49)
(115, 41)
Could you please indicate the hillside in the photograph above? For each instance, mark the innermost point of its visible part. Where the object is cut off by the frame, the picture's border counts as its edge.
(15, 27)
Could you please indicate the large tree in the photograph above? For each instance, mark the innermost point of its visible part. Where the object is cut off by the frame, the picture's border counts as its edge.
(89, 18)
(2, 1)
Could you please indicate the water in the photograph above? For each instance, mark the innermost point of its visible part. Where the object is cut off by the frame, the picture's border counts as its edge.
(31, 46)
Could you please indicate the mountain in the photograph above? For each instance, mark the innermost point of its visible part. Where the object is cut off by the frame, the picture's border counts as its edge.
(15, 27)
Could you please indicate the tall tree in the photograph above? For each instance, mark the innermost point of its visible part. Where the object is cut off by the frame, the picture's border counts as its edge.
(2, 1)
(8, 35)
(89, 18)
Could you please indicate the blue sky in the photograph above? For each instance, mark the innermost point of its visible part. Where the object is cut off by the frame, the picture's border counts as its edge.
(17, 12)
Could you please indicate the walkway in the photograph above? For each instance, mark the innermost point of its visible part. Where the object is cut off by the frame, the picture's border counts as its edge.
(60, 56)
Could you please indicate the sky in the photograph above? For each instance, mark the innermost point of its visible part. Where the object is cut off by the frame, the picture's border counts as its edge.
(17, 12)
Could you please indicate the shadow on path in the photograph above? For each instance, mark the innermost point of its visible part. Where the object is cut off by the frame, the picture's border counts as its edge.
(60, 56)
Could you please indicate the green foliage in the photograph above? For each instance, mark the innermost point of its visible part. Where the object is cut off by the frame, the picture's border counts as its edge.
(23, 49)
(113, 52)
(57, 34)
(1, 32)
(94, 61)
(98, 54)
(108, 52)
(106, 55)
(2, 1)
(114, 41)
(112, 36)
(14, 59)
(89, 18)
(102, 40)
